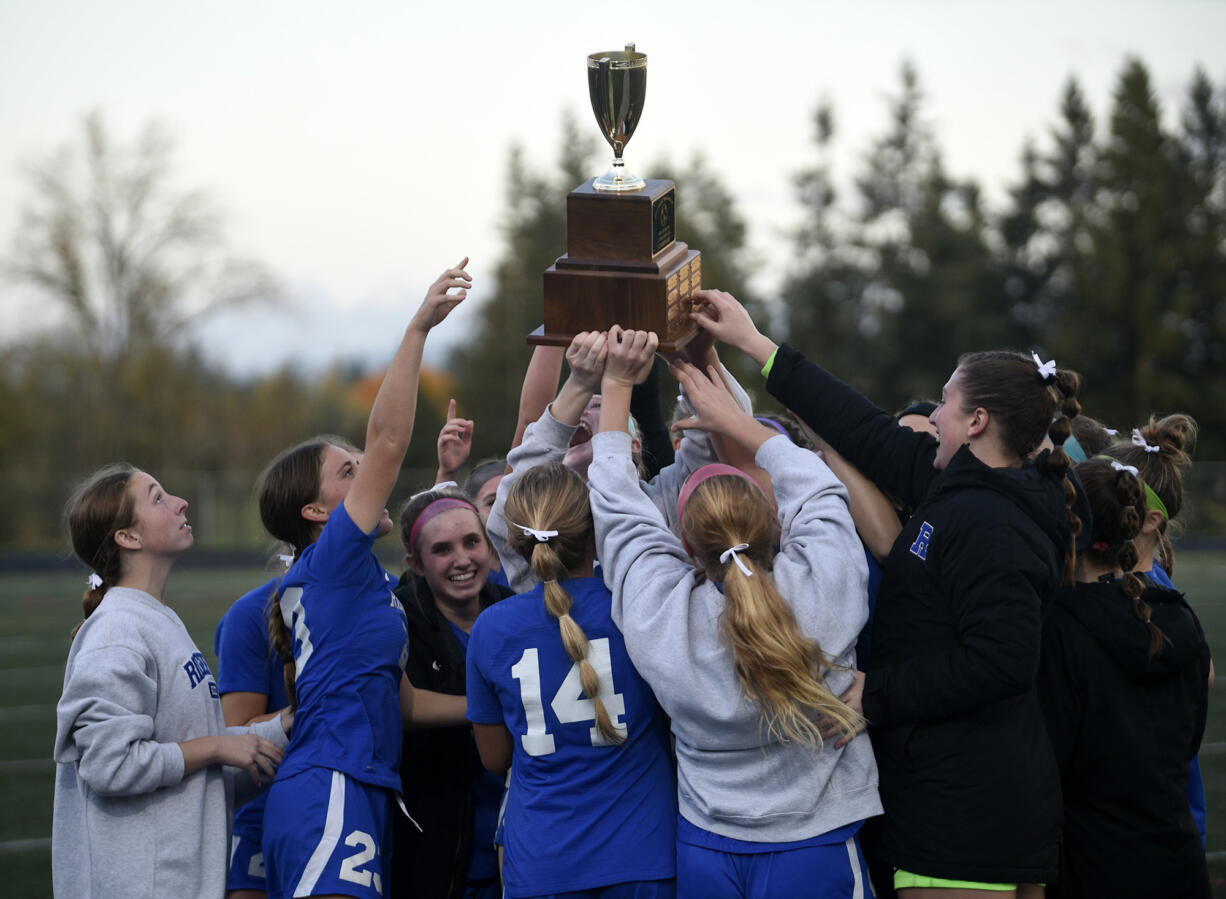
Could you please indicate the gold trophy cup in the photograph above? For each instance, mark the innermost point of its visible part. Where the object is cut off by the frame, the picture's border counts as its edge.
(617, 87)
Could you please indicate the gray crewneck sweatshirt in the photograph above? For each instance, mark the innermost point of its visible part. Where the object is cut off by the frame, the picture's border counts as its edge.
(127, 822)
(733, 779)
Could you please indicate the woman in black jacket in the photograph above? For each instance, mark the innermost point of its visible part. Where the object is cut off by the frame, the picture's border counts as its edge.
(448, 847)
(968, 780)
(1124, 687)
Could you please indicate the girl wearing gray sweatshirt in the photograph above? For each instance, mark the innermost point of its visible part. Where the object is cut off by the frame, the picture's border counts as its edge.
(746, 631)
(145, 767)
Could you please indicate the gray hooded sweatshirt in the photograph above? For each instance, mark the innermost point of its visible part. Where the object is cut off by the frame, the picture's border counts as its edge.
(733, 778)
(127, 822)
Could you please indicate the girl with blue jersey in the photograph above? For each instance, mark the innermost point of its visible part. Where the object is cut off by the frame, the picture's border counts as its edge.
(251, 675)
(251, 680)
(746, 630)
(591, 808)
(327, 823)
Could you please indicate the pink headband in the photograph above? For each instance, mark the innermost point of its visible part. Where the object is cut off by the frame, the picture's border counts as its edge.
(707, 471)
(437, 507)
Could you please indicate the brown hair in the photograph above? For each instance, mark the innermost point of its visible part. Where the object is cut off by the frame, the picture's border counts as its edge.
(415, 505)
(1175, 437)
(1117, 501)
(289, 482)
(1092, 434)
(554, 498)
(98, 508)
(1024, 404)
(778, 667)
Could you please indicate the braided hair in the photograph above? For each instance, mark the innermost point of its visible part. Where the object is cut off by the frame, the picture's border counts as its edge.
(1117, 501)
(554, 498)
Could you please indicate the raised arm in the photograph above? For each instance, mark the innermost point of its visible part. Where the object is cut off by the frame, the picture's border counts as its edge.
(540, 385)
(717, 412)
(545, 441)
(391, 418)
(896, 459)
(875, 516)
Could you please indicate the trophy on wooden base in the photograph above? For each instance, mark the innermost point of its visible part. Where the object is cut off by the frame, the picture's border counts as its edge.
(623, 264)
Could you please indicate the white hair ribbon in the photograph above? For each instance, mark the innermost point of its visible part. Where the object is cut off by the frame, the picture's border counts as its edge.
(541, 536)
(733, 552)
(1131, 469)
(1047, 370)
(1138, 439)
(287, 561)
(94, 581)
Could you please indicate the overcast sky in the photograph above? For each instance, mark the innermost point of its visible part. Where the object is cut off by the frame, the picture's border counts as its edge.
(359, 148)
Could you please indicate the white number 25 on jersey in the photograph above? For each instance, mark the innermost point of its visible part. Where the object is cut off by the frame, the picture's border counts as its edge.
(569, 703)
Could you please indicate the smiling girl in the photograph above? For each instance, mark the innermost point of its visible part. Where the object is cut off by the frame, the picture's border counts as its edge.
(446, 790)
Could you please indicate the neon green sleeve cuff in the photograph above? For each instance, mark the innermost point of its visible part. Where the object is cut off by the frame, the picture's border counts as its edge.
(766, 369)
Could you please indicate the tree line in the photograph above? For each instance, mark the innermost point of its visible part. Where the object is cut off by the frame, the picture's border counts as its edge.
(1109, 254)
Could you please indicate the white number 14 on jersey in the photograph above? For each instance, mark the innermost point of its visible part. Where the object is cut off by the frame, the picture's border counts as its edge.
(568, 704)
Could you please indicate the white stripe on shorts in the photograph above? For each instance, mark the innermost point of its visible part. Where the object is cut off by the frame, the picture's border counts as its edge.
(333, 823)
(857, 888)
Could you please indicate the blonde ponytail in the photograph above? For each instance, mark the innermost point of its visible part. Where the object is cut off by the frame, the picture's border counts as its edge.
(778, 667)
(550, 524)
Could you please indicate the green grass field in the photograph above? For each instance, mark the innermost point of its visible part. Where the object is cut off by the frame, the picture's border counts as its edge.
(39, 609)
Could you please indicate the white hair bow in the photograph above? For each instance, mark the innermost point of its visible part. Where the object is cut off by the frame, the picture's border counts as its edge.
(733, 552)
(94, 580)
(1131, 469)
(541, 536)
(1047, 370)
(1138, 439)
(287, 561)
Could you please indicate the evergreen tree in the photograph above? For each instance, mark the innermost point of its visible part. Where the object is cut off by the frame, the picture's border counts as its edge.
(908, 285)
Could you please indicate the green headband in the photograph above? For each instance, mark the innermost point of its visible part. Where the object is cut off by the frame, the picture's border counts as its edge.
(1153, 502)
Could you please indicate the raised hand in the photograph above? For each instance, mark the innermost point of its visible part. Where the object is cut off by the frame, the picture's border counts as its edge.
(439, 300)
(586, 357)
(455, 442)
(719, 314)
(631, 355)
(715, 409)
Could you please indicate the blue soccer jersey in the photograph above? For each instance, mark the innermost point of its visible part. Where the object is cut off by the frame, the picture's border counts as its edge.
(247, 664)
(350, 645)
(581, 812)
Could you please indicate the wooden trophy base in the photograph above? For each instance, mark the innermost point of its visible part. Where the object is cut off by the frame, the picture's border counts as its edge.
(623, 266)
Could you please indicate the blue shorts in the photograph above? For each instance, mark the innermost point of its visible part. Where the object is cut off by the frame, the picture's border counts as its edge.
(246, 865)
(832, 871)
(640, 889)
(325, 833)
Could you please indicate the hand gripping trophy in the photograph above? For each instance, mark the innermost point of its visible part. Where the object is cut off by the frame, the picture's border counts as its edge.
(623, 263)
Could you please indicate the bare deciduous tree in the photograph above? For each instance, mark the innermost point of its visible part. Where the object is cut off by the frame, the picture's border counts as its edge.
(132, 259)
